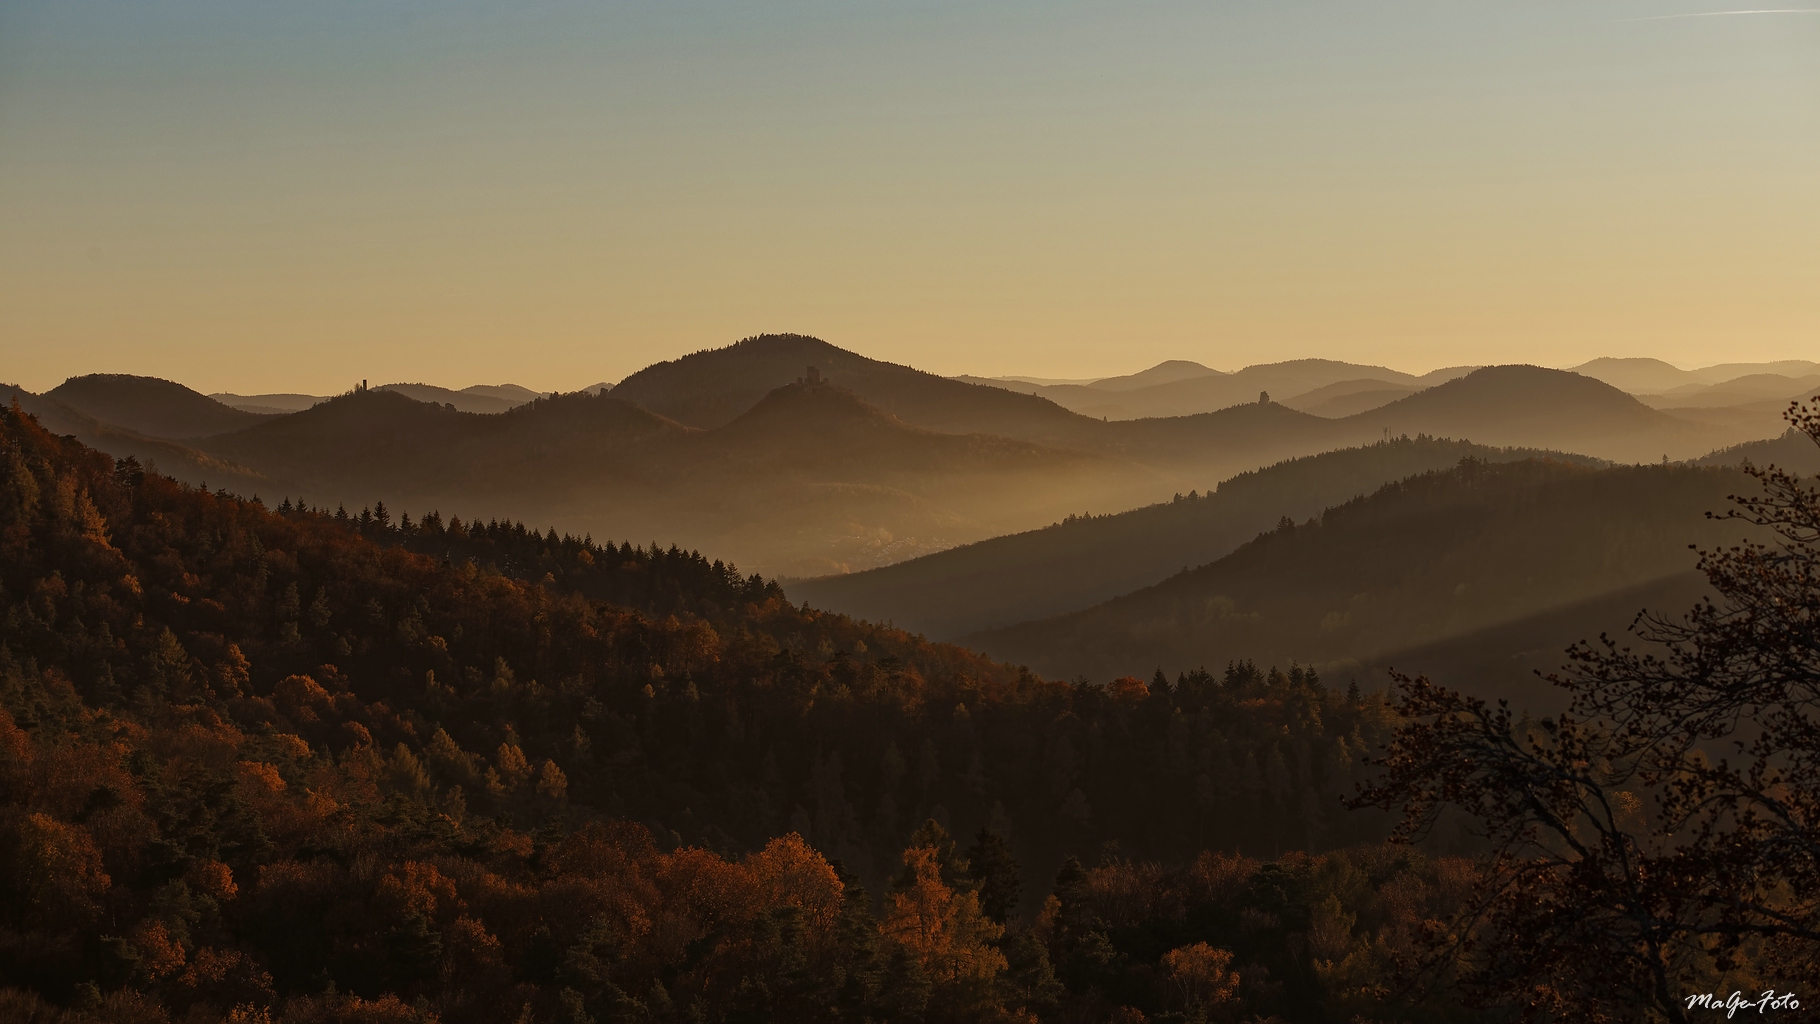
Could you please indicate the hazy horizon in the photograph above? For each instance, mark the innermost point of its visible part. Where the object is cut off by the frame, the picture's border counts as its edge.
(296, 197)
(455, 384)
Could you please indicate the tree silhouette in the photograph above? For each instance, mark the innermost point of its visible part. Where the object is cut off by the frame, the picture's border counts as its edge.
(991, 865)
(1662, 837)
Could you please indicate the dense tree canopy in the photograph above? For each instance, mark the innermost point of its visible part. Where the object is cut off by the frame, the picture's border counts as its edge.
(291, 764)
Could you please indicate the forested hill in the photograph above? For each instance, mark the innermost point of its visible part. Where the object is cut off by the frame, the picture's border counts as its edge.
(1792, 451)
(869, 466)
(809, 477)
(1439, 555)
(174, 457)
(150, 406)
(279, 762)
(714, 387)
(1088, 558)
(1543, 408)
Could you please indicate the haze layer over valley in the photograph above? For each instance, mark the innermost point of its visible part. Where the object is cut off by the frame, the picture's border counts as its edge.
(795, 457)
(990, 512)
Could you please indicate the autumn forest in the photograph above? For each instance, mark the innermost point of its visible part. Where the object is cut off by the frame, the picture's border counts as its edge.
(271, 757)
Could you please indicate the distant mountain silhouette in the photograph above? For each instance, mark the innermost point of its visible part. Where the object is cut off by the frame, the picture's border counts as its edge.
(1208, 447)
(1167, 372)
(826, 426)
(877, 464)
(150, 406)
(1539, 407)
(1207, 392)
(713, 387)
(507, 392)
(1720, 372)
(1022, 387)
(1654, 377)
(1744, 410)
(810, 479)
(1164, 372)
(1445, 374)
(1344, 398)
(1499, 406)
(1748, 389)
(1637, 376)
(1086, 560)
(271, 405)
(1421, 561)
(821, 480)
(375, 442)
(480, 398)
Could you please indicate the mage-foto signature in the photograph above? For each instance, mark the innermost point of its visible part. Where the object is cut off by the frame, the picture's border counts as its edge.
(1769, 1000)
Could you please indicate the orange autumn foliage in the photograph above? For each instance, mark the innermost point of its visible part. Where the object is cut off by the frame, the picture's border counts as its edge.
(944, 929)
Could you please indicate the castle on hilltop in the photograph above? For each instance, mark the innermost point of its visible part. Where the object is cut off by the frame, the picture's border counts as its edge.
(812, 378)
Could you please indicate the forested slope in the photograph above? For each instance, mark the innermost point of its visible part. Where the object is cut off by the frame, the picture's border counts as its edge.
(808, 479)
(1428, 558)
(1793, 451)
(150, 406)
(1090, 558)
(312, 767)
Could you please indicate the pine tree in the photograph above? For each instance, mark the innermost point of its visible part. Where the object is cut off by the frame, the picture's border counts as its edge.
(996, 871)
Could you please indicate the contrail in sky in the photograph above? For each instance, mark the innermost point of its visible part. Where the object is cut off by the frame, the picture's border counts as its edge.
(1724, 14)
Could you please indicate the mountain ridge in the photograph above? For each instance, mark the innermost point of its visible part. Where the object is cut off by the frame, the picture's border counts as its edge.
(151, 406)
(1085, 560)
(1434, 556)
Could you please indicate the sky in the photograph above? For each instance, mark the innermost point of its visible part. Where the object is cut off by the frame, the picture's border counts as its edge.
(259, 196)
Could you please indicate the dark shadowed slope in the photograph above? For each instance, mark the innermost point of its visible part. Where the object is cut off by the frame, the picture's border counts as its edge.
(379, 443)
(811, 480)
(173, 458)
(1793, 451)
(1432, 557)
(150, 406)
(1532, 405)
(391, 697)
(1086, 560)
(826, 428)
(820, 480)
(482, 400)
(354, 443)
(1503, 661)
